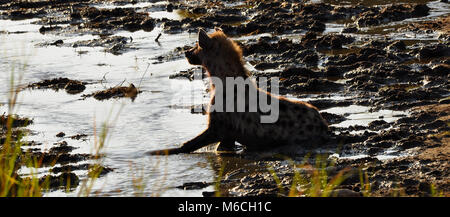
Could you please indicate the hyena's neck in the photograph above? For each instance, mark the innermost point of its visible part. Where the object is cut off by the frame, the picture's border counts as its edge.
(219, 72)
(229, 77)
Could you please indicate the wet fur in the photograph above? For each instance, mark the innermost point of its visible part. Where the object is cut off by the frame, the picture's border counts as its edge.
(299, 123)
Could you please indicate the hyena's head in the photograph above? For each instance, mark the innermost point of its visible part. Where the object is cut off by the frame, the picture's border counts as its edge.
(219, 54)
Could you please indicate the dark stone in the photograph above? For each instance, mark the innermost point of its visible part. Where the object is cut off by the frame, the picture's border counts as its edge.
(193, 185)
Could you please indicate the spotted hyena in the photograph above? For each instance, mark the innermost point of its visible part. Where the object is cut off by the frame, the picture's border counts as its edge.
(298, 123)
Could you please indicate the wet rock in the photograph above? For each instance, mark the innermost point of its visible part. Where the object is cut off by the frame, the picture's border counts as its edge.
(172, 26)
(397, 46)
(378, 124)
(410, 142)
(256, 185)
(208, 194)
(71, 86)
(169, 7)
(434, 125)
(148, 24)
(115, 92)
(57, 42)
(390, 135)
(113, 44)
(345, 193)
(74, 87)
(78, 136)
(327, 103)
(373, 151)
(117, 18)
(332, 118)
(264, 46)
(65, 180)
(441, 70)
(265, 66)
(189, 74)
(434, 51)
(16, 121)
(418, 118)
(75, 15)
(226, 18)
(350, 29)
(382, 144)
(325, 42)
(61, 147)
(44, 29)
(199, 10)
(71, 168)
(445, 101)
(298, 71)
(396, 12)
(194, 185)
(60, 134)
(50, 158)
(316, 85)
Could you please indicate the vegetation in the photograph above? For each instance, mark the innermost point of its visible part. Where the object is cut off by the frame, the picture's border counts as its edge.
(312, 180)
(12, 158)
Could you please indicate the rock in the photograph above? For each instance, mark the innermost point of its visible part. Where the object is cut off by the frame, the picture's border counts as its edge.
(148, 24)
(397, 46)
(345, 193)
(115, 92)
(57, 42)
(169, 7)
(194, 185)
(377, 124)
(71, 86)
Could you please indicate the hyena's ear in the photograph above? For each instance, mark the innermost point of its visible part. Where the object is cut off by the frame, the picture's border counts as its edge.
(204, 41)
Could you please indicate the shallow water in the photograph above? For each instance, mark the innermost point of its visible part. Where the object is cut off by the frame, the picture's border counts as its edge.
(149, 122)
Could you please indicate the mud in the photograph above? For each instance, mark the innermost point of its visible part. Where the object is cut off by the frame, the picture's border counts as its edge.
(423, 135)
(371, 61)
(58, 154)
(70, 86)
(440, 25)
(386, 14)
(66, 180)
(115, 92)
(16, 121)
(111, 44)
(194, 185)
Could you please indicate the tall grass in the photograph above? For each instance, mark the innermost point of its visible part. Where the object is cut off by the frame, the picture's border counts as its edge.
(313, 180)
(11, 155)
(100, 141)
(366, 188)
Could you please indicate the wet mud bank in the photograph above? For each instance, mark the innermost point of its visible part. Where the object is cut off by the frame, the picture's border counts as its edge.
(58, 158)
(417, 163)
(373, 68)
(391, 61)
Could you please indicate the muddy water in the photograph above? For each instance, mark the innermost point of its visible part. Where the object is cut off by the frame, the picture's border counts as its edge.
(159, 117)
(145, 124)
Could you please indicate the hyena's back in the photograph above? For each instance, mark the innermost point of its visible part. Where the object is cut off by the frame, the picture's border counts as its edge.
(298, 124)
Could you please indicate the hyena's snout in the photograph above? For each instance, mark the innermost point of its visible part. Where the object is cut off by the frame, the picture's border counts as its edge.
(192, 57)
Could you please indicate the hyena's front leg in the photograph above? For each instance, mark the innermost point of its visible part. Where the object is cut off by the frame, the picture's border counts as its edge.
(226, 145)
(205, 138)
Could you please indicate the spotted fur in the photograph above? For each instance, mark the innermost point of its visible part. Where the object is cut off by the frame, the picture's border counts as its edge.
(299, 123)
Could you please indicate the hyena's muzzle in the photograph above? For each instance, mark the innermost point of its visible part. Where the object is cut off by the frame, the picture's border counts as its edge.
(192, 56)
